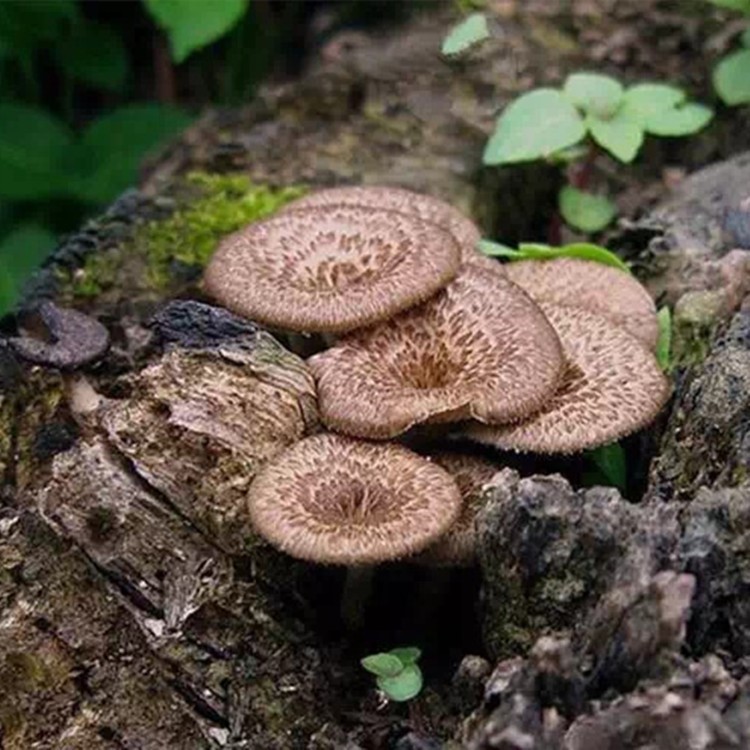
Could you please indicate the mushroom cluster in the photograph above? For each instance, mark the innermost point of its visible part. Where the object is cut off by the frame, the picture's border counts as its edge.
(552, 356)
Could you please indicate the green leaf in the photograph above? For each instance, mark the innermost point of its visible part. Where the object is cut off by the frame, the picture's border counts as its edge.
(534, 126)
(664, 344)
(383, 664)
(33, 145)
(407, 654)
(111, 150)
(745, 38)
(193, 24)
(537, 251)
(466, 34)
(498, 250)
(684, 120)
(594, 93)
(585, 211)
(94, 54)
(743, 6)
(25, 25)
(621, 135)
(610, 460)
(404, 686)
(732, 78)
(22, 250)
(646, 99)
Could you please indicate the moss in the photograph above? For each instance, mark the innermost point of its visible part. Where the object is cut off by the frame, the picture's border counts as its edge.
(99, 272)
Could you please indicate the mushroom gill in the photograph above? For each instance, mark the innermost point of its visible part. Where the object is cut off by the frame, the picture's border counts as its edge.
(613, 386)
(331, 269)
(480, 349)
(599, 288)
(331, 499)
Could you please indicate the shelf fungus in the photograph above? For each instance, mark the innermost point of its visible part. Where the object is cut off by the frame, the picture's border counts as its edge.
(602, 289)
(331, 269)
(613, 386)
(481, 349)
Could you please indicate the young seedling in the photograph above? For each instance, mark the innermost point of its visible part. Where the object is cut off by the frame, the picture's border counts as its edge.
(397, 674)
(472, 30)
(732, 74)
(596, 110)
(537, 251)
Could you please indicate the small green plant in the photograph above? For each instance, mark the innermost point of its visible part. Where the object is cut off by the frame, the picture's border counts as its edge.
(597, 110)
(731, 76)
(664, 344)
(537, 251)
(397, 673)
(608, 466)
(472, 30)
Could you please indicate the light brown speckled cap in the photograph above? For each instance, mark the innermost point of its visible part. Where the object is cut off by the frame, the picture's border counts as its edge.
(425, 207)
(331, 269)
(480, 349)
(596, 287)
(613, 386)
(331, 499)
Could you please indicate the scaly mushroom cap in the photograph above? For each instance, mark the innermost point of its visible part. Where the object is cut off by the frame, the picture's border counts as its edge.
(613, 386)
(481, 348)
(458, 546)
(331, 499)
(331, 269)
(596, 287)
(424, 207)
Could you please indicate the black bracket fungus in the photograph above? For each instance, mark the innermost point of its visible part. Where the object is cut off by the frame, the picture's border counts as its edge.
(75, 339)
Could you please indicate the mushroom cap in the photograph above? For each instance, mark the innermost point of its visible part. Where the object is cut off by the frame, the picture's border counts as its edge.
(331, 499)
(425, 207)
(331, 269)
(613, 386)
(599, 288)
(458, 546)
(481, 348)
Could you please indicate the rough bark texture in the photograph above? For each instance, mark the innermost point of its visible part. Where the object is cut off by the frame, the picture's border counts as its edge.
(136, 608)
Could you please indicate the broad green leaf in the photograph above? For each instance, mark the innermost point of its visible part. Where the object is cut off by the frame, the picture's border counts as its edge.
(621, 135)
(585, 211)
(732, 78)
(193, 24)
(466, 34)
(498, 250)
(594, 93)
(404, 686)
(534, 126)
(664, 344)
(646, 99)
(383, 665)
(743, 6)
(684, 120)
(745, 38)
(94, 54)
(537, 251)
(610, 460)
(22, 250)
(113, 147)
(33, 144)
(407, 654)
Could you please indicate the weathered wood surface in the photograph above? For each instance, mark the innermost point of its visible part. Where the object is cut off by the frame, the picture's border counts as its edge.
(136, 609)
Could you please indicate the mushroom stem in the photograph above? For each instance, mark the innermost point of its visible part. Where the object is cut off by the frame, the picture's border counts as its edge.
(357, 589)
(82, 396)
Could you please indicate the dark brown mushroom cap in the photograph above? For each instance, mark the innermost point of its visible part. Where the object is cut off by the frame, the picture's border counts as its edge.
(613, 386)
(331, 499)
(425, 207)
(331, 270)
(458, 546)
(481, 348)
(593, 286)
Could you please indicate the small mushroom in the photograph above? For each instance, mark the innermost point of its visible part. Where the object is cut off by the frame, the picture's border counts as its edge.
(480, 349)
(596, 287)
(613, 386)
(331, 269)
(425, 207)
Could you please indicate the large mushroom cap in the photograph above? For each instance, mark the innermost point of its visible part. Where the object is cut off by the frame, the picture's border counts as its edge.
(481, 348)
(330, 499)
(331, 269)
(458, 546)
(425, 207)
(613, 386)
(599, 288)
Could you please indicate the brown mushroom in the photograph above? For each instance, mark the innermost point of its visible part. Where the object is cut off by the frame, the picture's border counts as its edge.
(613, 386)
(599, 288)
(481, 349)
(425, 207)
(331, 269)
